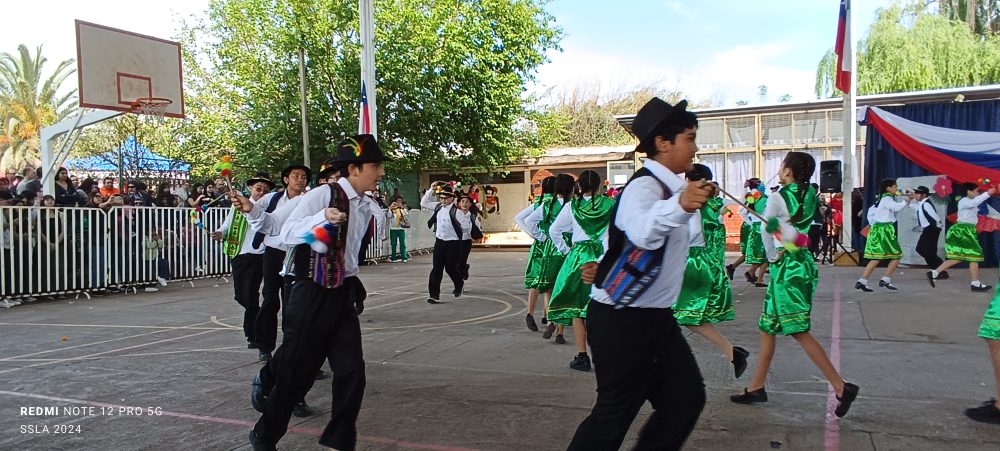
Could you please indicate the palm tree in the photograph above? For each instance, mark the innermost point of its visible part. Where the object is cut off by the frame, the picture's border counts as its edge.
(28, 102)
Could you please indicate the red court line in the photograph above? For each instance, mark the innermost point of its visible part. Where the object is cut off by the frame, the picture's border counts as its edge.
(218, 420)
(831, 438)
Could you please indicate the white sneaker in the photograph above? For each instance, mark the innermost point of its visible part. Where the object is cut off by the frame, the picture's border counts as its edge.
(152, 289)
(405, 261)
(163, 282)
(393, 260)
(5, 304)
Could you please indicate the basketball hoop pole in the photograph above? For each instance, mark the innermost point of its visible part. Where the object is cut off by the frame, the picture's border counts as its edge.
(50, 161)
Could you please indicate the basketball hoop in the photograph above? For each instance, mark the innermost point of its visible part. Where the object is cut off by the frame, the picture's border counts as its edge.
(155, 107)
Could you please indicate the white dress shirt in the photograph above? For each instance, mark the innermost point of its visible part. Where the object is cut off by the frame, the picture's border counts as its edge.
(648, 221)
(444, 230)
(520, 217)
(566, 223)
(534, 221)
(696, 234)
(885, 212)
(968, 209)
(925, 206)
(247, 246)
(465, 222)
(270, 223)
(310, 212)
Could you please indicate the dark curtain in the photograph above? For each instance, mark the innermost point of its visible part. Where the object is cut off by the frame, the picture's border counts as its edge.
(882, 161)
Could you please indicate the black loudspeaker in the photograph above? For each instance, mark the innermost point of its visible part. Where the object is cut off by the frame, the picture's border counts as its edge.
(830, 176)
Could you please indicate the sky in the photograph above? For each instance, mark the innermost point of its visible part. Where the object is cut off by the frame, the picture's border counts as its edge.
(717, 51)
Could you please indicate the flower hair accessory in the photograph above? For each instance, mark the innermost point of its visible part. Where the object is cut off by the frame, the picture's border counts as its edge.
(942, 188)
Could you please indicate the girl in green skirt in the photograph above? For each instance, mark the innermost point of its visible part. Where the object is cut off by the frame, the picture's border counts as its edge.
(882, 243)
(539, 223)
(989, 411)
(788, 303)
(533, 268)
(755, 244)
(961, 244)
(745, 228)
(587, 220)
(706, 297)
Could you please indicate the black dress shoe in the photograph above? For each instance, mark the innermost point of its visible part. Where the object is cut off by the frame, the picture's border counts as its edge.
(740, 360)
(433, 301)
(458, 292)
(302, 410)
(257, 396)
(930, 278)
(862, 287)
(750, 277)
(889, 285)
(981, 288)
(987, 412)
(264, 356)
(257, 445)
(760, 284)
(560, 339)
(850, 394)
(530, 321)
(750, 397)
(730, 271)
(545, 320)
(580, 363)
(549, 330)
(943, 275)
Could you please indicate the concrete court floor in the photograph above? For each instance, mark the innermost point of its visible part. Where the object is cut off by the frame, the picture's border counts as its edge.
(469, 375)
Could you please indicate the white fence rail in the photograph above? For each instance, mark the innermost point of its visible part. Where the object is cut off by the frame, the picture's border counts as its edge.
(54, 251)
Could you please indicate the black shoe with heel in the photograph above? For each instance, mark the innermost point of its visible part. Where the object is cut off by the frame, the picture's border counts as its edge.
(739, 360)
(889, 285)
(750, 397)
(862, 287)
(850, 394)
(530, 321)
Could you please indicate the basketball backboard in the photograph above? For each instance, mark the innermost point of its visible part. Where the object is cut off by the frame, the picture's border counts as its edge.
(117, 67)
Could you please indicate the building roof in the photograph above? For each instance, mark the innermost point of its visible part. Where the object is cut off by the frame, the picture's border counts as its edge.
(135, 157)
(562, 155)
(970, 93)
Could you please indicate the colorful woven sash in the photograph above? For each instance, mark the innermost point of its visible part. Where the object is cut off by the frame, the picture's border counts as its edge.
(327, 269)
(235, 235)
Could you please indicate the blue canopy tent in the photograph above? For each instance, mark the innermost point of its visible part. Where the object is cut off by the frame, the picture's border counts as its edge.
(131, 160)
(882, 161)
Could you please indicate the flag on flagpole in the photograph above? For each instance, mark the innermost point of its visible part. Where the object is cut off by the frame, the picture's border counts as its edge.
(365, 113)
(843, 49)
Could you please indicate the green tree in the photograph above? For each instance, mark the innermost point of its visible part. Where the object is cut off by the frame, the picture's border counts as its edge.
(910, 48)
(982, 16)
(28, 102)
(450, 78)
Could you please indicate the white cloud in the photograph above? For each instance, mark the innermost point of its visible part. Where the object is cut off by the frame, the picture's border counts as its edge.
(723, 78)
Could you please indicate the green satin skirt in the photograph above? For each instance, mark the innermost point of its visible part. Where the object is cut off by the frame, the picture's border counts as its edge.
(549, 266)
(990, 327)
(788, 302)
(570, 295)
(755, 246)
(706, 296)
(744, 236)
(532, 270)
(882, 243)
(962, 243)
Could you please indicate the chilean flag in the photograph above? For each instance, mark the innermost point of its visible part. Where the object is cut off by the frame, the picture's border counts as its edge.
(365, 123)
(842, 49)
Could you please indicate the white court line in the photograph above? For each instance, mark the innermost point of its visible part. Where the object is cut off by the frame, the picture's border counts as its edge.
(108, 326)
(86, 357)
(106, 341)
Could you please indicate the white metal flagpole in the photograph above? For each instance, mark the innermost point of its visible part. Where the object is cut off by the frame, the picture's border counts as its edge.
(366, 10)
(850, 133)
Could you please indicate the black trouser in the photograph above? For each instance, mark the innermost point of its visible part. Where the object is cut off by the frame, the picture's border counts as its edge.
(464, 264)
(815, 232)
(319, 324)
(248, 272)
(266, 326)
(640, 354)
(927, 246)
(447, 258)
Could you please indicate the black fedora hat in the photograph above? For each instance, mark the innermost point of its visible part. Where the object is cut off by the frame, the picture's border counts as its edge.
(288, 170)
(260, 177)
(922, 190)
(357, 149)
(652, 115)
(445, 190)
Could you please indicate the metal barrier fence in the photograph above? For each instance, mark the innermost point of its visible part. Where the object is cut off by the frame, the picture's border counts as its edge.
(55, 251)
